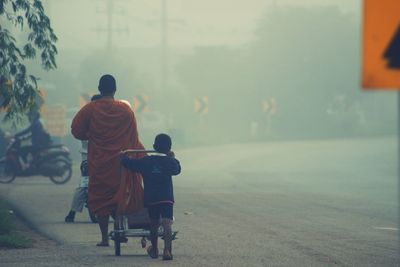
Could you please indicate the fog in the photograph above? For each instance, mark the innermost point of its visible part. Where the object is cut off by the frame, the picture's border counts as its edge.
(220, 72)
(282, 152)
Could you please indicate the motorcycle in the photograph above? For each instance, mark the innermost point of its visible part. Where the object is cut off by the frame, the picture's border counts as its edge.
(53, 161)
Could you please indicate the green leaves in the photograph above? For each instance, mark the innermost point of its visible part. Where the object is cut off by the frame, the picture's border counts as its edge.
(29, 51)
(2, 4)
(18, 89)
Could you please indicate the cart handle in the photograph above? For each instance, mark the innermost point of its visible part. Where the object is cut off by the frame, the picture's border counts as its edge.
(135, 151)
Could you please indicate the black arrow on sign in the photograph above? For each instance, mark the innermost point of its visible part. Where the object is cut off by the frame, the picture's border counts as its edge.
(392, 53)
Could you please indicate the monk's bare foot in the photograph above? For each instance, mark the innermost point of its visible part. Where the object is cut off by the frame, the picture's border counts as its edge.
(167, 256)
(103, 244)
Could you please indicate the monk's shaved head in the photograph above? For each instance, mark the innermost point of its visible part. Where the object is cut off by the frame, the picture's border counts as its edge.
(107, 85)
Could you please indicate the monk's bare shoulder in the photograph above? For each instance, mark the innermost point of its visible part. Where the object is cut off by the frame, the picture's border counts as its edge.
(86, 108)
(124, 104)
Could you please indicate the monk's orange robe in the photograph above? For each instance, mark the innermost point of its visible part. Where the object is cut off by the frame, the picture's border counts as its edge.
(110, 127)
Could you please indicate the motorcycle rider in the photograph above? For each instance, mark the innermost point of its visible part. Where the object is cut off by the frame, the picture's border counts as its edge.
(3, 143)
(39, 137)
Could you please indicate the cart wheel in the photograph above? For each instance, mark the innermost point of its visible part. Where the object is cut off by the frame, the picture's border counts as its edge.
(143, 242)
(117, 248)
(117, 245)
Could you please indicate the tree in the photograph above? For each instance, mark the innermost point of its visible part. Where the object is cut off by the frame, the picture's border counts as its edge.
(18, 89)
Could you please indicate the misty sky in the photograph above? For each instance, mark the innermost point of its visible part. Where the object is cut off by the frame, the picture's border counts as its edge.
(191, 22)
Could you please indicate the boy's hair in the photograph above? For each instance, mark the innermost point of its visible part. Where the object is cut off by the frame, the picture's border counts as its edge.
(107, 85)
(162, 143)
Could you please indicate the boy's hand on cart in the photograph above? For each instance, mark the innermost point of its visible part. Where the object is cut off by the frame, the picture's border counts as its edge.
(122, 155)
(124, 152)
(124, 159)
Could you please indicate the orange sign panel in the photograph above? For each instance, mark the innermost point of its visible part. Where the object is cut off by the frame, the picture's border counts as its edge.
(55, 120)
(381, 44)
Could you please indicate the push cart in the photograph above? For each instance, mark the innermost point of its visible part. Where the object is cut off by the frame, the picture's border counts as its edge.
(134, 225)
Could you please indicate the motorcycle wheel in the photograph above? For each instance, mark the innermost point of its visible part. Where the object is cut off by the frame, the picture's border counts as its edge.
(5, 177)
(64, 164)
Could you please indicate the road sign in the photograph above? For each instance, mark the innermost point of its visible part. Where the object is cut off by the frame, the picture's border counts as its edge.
(55, 120)
(269, 106)
(201, 105)
(381, 44)
(140, 103)
(40, 101)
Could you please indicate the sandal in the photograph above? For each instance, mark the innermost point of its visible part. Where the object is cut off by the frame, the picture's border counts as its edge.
(167, 256)
(102, 244)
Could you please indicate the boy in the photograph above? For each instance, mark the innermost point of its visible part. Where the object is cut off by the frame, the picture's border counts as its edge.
(81, 192)
(80, 195)
(157, 171)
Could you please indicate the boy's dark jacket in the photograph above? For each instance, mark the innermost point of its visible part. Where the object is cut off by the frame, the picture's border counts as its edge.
(157, 174)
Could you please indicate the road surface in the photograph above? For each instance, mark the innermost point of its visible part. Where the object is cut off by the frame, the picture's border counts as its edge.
(300, 203)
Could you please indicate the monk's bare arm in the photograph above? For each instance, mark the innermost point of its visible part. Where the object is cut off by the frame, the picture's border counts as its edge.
(80, 124)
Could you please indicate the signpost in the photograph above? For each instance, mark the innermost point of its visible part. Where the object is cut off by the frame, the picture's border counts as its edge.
(381, 56)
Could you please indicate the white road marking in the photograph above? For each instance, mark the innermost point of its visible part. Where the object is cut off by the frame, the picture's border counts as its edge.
(386, 228)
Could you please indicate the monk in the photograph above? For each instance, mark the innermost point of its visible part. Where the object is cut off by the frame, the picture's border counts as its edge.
(110, 127)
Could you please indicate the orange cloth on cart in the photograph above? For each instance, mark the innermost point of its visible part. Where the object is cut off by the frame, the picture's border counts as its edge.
(110, 127)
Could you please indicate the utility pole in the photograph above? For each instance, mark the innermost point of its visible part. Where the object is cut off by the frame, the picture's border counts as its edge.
(110, 8)
(110, 30)
(164, 47)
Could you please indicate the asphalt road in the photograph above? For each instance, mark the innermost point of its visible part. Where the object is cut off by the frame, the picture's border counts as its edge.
(304, 203)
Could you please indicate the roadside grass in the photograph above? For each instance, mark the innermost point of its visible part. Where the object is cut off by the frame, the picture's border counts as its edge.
(9, 235)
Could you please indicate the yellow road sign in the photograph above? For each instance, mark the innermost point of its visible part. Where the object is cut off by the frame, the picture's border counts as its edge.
(140, 103)
(55, 120)
(381, 44)
(201, 105)
(269, 106)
